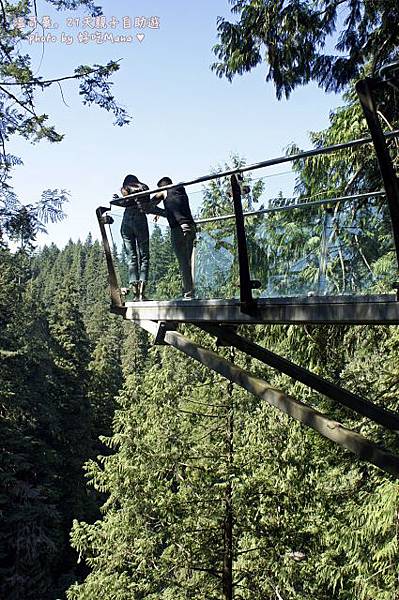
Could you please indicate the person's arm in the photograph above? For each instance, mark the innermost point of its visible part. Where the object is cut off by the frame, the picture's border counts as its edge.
(157, 198)
(155, 210)
(152, 206)
(124, 202)
(127, 191)
(118, 201)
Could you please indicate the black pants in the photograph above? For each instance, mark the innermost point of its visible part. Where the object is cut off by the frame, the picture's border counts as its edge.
(134, 231)
(182, 244)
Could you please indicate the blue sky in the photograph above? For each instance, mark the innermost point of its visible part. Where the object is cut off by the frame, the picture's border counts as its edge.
(185, 119)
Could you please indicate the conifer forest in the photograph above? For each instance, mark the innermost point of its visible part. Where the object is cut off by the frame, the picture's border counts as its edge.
(128, 471)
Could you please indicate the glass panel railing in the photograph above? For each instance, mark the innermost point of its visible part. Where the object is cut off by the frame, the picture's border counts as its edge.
(163, 279)
(216, 273)
(344, 248)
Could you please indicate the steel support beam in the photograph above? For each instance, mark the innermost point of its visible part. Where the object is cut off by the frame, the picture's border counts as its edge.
(382, 416)
(246, 299)
(296, 409)
(117, 304)
(364, 89)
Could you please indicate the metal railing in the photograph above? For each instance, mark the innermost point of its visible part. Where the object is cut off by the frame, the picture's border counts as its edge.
(293, 206)
(378, 138)
(263, 164)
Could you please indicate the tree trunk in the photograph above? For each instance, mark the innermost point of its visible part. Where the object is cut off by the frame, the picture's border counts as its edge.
(228, 520)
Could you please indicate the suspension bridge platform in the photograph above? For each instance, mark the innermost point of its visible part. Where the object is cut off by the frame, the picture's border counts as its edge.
(344, 310)
(348, 245)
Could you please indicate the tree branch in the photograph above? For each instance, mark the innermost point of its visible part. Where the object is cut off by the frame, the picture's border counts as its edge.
(62, 94)
(205, 570)
(3, 10)
(6, 52)
(3, 145)
(57, 80)
(21, 104)
(352, 181)
(205, 403)
(322, 12)
(198, 414)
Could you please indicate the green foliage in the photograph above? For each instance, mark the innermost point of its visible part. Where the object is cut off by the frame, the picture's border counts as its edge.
(293, 39)
(216, 264)
(295, 496)
(358, 240)
(309, 521)
(60, 370)
(19, 87)
(29, 501)
(21, 223)
(164, 272)
(165, 504)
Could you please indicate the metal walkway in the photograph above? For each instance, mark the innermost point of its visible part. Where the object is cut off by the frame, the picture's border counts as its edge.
(221, 317)
(344, 310)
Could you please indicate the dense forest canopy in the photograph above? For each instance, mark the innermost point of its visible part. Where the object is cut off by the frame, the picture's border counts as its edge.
(168, 446)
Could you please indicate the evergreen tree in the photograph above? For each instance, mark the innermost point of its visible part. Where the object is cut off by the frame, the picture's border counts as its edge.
(211, 492)
(164, 272)
(105, 380)
(165, 506)
(70, 352)
(30, 512)
(294, 38)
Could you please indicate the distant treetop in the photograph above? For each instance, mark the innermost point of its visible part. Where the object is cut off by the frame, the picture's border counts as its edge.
(294, 38)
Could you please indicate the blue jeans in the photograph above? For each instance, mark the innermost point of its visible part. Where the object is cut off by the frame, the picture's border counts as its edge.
(134, 231)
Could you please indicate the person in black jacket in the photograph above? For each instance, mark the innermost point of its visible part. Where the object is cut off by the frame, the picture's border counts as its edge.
(182, 228)
(135, 235)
